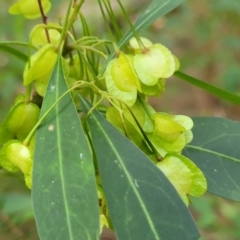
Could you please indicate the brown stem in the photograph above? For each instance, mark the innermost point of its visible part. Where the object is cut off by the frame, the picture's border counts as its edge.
(44, 19)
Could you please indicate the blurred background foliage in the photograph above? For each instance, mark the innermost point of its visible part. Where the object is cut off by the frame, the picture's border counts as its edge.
(203, 34)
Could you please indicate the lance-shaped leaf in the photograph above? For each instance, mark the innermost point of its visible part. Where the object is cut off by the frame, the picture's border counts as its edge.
(215, 150)
(14, 52)
(142, 202)
(155, 10)
(64, 190)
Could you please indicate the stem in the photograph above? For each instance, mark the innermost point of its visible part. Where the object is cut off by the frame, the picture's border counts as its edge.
(28, 138)
(44, 19)
(70, 19)
(28, 93)
(113, 19)
(151, 146)
(25, 44)
(143, 48)
(222, 94)
(108, 28)
(73, 17)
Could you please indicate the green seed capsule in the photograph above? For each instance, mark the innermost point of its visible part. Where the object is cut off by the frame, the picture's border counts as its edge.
(19, 121)
(157, 63)
(42, 62)
(29, 8)
(15, 155)
(22, 119)
(121, 79)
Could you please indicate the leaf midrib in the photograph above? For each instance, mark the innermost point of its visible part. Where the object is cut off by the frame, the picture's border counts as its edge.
(157, 9)
(60, 164)
(129, 179)
(214, 153)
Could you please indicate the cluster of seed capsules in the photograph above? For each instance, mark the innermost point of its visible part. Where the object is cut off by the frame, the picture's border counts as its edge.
(131, 78)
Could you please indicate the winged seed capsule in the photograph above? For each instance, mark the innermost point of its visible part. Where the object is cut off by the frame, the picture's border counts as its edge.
(155, 64)
(29, 8)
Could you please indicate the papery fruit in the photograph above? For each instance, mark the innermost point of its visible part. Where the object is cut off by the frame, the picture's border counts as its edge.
(15, 153)
(38, 34)
(199, 182)
(154, 64)
(29, 8)
(41, 63)
(22, 119)
(185, 176)
(166, 128)
(19, 121)
(178, 174)
(121, 79)
(163, 147)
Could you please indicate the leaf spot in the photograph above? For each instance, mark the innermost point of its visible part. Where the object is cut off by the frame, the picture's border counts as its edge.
(136, 183)
(52, 88)
(52, 203)
(51, 127)
(52, 181)
(215, 170)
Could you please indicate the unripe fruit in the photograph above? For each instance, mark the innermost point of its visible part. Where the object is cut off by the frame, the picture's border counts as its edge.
(29, 8)
(186, 177)
(15, 155)
(157, 63)
(42, 63)
(178, 174)
(19, 121)
(199, 185)
(38, 35)
(166, 128)
(121, 79)
(163, 146)
(22, 119)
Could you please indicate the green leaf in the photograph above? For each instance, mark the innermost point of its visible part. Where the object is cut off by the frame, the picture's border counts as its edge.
(142, 202)
(215, 150)
(223, 94)
(155, 10)
(5, 47)
(14, 52)
(64, 188)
